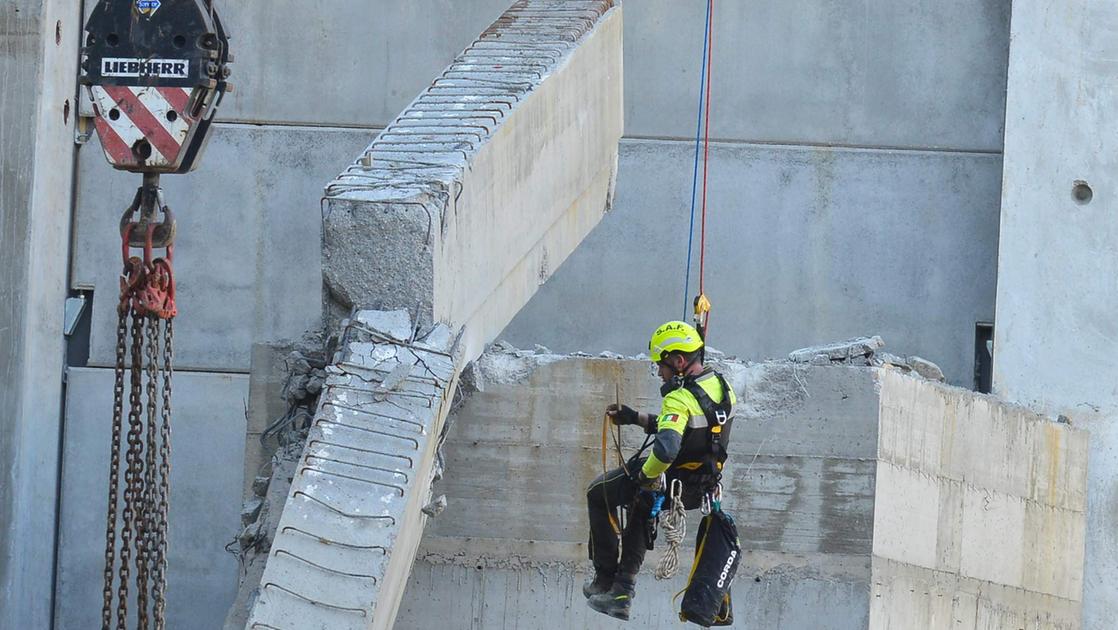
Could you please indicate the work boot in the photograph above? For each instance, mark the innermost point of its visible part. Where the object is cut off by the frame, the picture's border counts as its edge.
(599, 584)
(617, 601)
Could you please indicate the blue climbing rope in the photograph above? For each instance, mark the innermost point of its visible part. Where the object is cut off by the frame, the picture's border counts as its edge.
(695, 176)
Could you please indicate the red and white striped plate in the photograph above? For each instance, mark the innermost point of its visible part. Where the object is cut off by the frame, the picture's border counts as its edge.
(127, 115)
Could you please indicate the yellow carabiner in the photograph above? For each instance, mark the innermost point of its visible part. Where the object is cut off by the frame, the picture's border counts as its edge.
(702, 312)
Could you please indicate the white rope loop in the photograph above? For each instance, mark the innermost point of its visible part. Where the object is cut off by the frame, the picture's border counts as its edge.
(675, 530)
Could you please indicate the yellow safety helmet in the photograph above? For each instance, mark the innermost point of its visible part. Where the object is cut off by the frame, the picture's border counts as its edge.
(674, 336)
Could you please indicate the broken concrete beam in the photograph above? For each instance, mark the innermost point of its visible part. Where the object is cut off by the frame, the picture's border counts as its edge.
(840, 351)
(863, 496)
(482, 187)
(352, 521)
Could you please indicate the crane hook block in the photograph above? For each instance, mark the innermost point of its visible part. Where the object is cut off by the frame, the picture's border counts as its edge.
(156, 71)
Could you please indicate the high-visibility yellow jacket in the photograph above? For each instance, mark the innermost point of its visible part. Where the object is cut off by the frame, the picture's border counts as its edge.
(683, 433)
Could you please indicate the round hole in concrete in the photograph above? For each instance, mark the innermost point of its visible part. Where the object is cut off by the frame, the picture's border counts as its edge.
(1081, 192)
(172, 115)
(114, 114)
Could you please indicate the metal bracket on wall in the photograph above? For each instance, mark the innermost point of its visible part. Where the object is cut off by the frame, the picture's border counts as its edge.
(85, 128)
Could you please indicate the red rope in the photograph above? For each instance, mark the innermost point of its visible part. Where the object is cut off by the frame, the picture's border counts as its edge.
(706, 153)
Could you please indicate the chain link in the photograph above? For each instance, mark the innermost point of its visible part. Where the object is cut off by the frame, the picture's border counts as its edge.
(131, 528)
(144, 347)
(114, 467)
(159, 587)
(146, 516)
(141, 345)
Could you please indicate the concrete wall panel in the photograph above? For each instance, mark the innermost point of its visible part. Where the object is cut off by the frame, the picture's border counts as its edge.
(880, 74)
(247, 259)
(906, 517)
(208, 433)
(351, 63)
(804, 245)
(906, 598)
(460, 596)
(1058, 263)
(38, 60)
(512, 554)
(902, 73)
(971, 522)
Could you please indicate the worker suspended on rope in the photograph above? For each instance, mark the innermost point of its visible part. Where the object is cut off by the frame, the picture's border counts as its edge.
(691, 433)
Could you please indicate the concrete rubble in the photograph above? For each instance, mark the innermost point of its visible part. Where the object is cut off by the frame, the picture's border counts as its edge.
(283, 437)
(866, 351)
(836, 352)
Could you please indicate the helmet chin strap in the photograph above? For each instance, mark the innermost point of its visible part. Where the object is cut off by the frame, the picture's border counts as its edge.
(677, 381)
(671, 385)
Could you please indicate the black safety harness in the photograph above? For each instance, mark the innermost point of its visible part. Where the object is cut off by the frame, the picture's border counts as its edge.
(719, 421)
(719, 416)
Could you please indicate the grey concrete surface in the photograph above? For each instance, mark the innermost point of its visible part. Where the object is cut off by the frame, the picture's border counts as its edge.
(885, 73)
(551, 597)
(208, 429)
(247, 252)
(805, 245)
(265, 404)
(1058, 264)
(463, 206)
(38, 60)
(346, 539)
(351, 63)
(877, 73)
(979, 512)
(509, 551)
(849, 486)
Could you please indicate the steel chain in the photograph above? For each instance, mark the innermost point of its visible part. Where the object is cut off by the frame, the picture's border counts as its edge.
(114, 466)
(133, 475)
(162, 533)
(145, 349)
(146, 518)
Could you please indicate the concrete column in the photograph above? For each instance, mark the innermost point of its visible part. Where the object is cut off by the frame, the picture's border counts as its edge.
(37, 69)
(1056, 330)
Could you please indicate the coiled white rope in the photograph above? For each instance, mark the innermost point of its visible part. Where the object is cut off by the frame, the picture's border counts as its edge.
(675, 529)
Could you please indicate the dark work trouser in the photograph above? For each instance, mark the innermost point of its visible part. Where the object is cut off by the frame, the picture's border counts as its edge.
(606, 494)
(615, 490)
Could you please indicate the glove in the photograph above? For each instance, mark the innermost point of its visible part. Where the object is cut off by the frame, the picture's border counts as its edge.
(650, 484)
(624, 415)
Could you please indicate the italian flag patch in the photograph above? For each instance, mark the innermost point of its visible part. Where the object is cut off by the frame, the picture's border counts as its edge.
(671, 418)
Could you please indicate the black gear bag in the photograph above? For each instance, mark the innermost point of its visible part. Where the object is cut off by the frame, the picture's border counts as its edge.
(706, 600)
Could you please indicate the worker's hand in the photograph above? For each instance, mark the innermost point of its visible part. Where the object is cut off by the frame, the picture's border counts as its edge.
(652, 484)
(624, 415)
